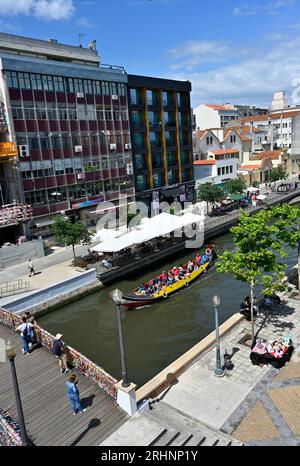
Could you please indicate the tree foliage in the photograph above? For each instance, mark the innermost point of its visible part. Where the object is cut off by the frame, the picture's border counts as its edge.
(258, 256)
(286, 219)
(236, 186)
(70, 233)
(278, 173)
(210, 192)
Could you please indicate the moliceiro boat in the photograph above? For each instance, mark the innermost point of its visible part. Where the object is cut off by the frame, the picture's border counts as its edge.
(166, 284)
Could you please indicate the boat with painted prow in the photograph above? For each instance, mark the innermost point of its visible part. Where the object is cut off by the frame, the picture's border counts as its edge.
(168, 284)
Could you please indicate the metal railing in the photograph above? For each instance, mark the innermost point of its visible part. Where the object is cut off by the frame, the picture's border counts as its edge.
(12, 287)
(9, 431)
(87, 368)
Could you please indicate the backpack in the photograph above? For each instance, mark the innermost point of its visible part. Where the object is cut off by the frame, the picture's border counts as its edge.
(57, 348)
(25, 331)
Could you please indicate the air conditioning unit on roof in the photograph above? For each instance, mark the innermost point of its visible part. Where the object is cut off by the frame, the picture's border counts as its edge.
(78, 148)
(114, 97)
(128, 146)
(81, 176)
(80, 95)
(112, 146)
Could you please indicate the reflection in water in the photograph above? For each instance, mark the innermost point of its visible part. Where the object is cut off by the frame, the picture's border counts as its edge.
(156, 335)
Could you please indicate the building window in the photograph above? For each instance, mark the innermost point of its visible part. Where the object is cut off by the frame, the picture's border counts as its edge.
(70, 85)
(232, 138)
(88, 86)
(121, 89)
(47, 83)
(231, 169)
(97, 87)
(209, 140)
(34, 143)
(59, 84)
(113, 88)
(36, 81)
(12, 79)
(41, 114)
(219, 171)
(78, 85)
(24, 80)
(105, 88)
(17, 113)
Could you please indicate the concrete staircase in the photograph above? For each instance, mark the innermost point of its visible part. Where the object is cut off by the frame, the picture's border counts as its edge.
(179, 429)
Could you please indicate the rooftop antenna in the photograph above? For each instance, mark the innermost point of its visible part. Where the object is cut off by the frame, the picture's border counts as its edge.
(80, 35)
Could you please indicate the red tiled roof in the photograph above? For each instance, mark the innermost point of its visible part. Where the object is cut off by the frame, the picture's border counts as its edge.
(250, 167)
(272, 116)
(205, 162)
(225, 151)
(200, 134)
(268, 154)
(218, 107)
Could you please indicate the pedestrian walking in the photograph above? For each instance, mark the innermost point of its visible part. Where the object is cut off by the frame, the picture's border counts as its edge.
(30, 319)
(59, 350)
(31, 268)
(73, 394)
(24, 329)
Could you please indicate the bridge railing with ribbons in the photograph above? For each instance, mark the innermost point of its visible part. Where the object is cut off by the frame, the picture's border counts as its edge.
(92, 371)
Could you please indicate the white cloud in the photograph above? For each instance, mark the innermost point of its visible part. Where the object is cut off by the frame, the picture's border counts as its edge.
(270, 8)
(253, 80)
(43, 9)
(193, 53)
(85, 23)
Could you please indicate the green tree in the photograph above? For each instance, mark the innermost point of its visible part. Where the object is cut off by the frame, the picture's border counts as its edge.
(286, 219)
(236, 186)
(278, 173)
(210, 193)
(257, 257)
(70, 233)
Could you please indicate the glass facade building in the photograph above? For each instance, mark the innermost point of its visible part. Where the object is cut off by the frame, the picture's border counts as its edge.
(73, 120)
(161, 131)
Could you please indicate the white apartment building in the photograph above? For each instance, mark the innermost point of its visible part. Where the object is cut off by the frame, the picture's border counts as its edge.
(221, 166)
(214, 116)
(278, 126)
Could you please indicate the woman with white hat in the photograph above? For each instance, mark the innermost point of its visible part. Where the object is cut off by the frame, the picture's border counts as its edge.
(59, 350)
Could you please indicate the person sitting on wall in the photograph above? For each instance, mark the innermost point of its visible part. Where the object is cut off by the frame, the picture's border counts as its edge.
(245, 309)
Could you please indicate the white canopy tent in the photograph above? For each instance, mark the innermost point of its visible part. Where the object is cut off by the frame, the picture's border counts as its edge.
(252, 189)
(105, 234)
(149, 229)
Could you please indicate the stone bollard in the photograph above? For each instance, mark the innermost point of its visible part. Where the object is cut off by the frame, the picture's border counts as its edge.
(126, 398)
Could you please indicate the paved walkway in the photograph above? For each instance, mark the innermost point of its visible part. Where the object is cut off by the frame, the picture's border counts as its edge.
(222, 404)
(47, 410)
(44, 278)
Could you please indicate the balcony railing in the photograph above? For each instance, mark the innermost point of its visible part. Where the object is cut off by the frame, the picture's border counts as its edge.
(15, 213)
(8, 149)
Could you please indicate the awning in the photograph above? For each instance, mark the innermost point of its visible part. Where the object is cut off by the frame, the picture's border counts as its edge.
(149, 229)
(237, 197)
(44, 223)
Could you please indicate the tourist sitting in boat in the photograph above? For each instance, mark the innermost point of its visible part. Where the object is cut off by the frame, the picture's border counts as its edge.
(198, 259)
(190, 266)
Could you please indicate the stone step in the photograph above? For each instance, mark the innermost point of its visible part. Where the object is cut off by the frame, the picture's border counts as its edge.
(165, 438)
(192, 432)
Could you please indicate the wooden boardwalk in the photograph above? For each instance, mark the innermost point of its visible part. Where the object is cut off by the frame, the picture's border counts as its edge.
(47, 409)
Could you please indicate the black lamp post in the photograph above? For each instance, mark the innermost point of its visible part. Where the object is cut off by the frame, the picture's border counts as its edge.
(218, 370)
(117, 298)
(11, 354)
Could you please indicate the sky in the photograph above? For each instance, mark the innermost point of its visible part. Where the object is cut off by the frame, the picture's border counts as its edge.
(231, 51)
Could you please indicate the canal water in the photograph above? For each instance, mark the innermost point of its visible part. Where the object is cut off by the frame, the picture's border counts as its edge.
(156, 335)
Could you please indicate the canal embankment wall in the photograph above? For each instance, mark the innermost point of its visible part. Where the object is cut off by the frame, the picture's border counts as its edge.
(57, 295)
(169, 375)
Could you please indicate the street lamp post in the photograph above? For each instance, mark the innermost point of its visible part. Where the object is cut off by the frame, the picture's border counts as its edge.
(117, 298)
(218, 370)
(11, 354)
